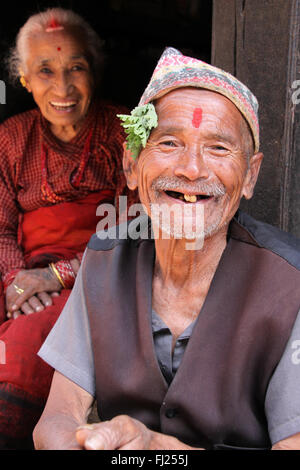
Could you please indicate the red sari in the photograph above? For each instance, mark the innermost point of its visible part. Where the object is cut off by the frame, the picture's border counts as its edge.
(47, 231)
(25, 378)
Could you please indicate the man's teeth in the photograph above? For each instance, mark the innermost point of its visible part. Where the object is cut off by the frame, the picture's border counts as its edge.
(189, 198)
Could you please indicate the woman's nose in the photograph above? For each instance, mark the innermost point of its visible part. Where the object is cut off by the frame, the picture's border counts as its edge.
(63, 84)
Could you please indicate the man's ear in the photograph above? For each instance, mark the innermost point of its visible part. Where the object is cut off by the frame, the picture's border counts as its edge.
(252, 175)
(130, 168)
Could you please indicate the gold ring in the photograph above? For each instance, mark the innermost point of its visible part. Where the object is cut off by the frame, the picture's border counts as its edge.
(18, 289)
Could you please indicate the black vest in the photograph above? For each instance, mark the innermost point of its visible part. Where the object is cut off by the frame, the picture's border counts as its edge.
(217, 396)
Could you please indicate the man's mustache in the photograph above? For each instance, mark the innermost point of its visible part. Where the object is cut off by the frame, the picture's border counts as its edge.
(172, 183)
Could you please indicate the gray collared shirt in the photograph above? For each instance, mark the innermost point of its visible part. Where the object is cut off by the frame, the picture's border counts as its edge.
(162, 338)
(74, 359)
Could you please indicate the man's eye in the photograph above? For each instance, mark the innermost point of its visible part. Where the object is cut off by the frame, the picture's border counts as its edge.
(219, 148)
(168, 143)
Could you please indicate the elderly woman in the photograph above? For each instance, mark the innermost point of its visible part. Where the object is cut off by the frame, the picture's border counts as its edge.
(58, 162)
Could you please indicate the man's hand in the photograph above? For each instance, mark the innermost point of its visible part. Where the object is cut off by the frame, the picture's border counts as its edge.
(125, 433)
(38, 285)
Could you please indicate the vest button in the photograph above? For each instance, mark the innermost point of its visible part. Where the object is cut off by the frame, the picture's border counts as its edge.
(171, 412)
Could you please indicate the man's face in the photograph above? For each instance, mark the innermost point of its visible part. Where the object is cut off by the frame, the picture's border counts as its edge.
(196, 156)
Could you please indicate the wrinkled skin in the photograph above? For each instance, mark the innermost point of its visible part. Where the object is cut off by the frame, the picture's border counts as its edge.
(56, 70)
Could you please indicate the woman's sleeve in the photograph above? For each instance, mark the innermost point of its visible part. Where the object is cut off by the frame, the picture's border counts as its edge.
(11, 256)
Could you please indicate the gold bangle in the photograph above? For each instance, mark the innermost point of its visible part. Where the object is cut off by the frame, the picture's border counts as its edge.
(52, 266)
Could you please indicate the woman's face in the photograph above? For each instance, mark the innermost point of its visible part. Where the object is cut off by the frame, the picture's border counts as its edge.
(59, 76)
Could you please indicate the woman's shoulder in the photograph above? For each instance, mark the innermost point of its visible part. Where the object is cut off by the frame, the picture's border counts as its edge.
(20, 122)
(15, 131)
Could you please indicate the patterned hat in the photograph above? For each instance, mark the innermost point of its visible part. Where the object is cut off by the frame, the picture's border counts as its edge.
(174, 70)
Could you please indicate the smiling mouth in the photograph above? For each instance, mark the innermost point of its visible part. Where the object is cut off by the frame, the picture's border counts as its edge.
(189, 198)
(63, 106)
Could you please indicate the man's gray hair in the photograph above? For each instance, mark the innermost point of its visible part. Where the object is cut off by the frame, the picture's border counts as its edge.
(37, 23)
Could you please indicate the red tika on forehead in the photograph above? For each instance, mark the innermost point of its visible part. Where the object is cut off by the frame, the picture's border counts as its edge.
(197, 117)
(53, 25)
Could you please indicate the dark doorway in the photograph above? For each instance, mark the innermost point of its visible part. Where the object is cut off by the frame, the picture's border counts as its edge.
(135, 33)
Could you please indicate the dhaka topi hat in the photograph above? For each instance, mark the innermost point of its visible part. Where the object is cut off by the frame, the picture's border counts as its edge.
(175, 70)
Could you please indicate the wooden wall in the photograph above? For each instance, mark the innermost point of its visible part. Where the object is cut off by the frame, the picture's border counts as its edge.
(258, 42)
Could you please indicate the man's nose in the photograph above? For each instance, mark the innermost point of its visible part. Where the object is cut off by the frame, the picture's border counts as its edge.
(192, 165)
(63, 84)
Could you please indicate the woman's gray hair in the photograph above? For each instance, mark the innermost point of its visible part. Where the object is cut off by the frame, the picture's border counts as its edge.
(39, 23)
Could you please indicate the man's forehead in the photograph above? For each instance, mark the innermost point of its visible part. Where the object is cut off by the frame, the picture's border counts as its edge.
(187, 94)
(197, 104)
(218, 132)
(175, 71)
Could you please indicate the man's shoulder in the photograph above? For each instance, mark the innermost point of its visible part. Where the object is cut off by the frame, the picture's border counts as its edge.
(100, 242)
(129, 234)
(267, 236)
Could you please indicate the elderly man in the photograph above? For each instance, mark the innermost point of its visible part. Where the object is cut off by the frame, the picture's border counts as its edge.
(191, 340)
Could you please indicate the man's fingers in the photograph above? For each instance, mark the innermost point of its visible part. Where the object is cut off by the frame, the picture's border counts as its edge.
(108, 435)
(91, 437)
(82, 433)
(99, 438)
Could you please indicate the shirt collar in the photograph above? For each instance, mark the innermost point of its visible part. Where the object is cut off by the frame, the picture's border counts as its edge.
(159, 325)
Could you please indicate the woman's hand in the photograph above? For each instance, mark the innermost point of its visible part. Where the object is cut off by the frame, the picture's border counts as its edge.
(38, 285)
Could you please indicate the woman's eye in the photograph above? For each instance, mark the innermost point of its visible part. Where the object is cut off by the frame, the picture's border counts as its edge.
(45, 70)
(77, 68)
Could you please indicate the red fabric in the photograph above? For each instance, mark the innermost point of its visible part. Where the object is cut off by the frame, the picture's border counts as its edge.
(58, 231)
(21, 139)
(23, 338)
(18, 410)
(2, 304)
(25, 378)
(48, 231)
(63, 229)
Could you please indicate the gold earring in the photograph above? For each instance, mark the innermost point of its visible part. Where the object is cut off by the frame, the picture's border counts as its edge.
(23, 81)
